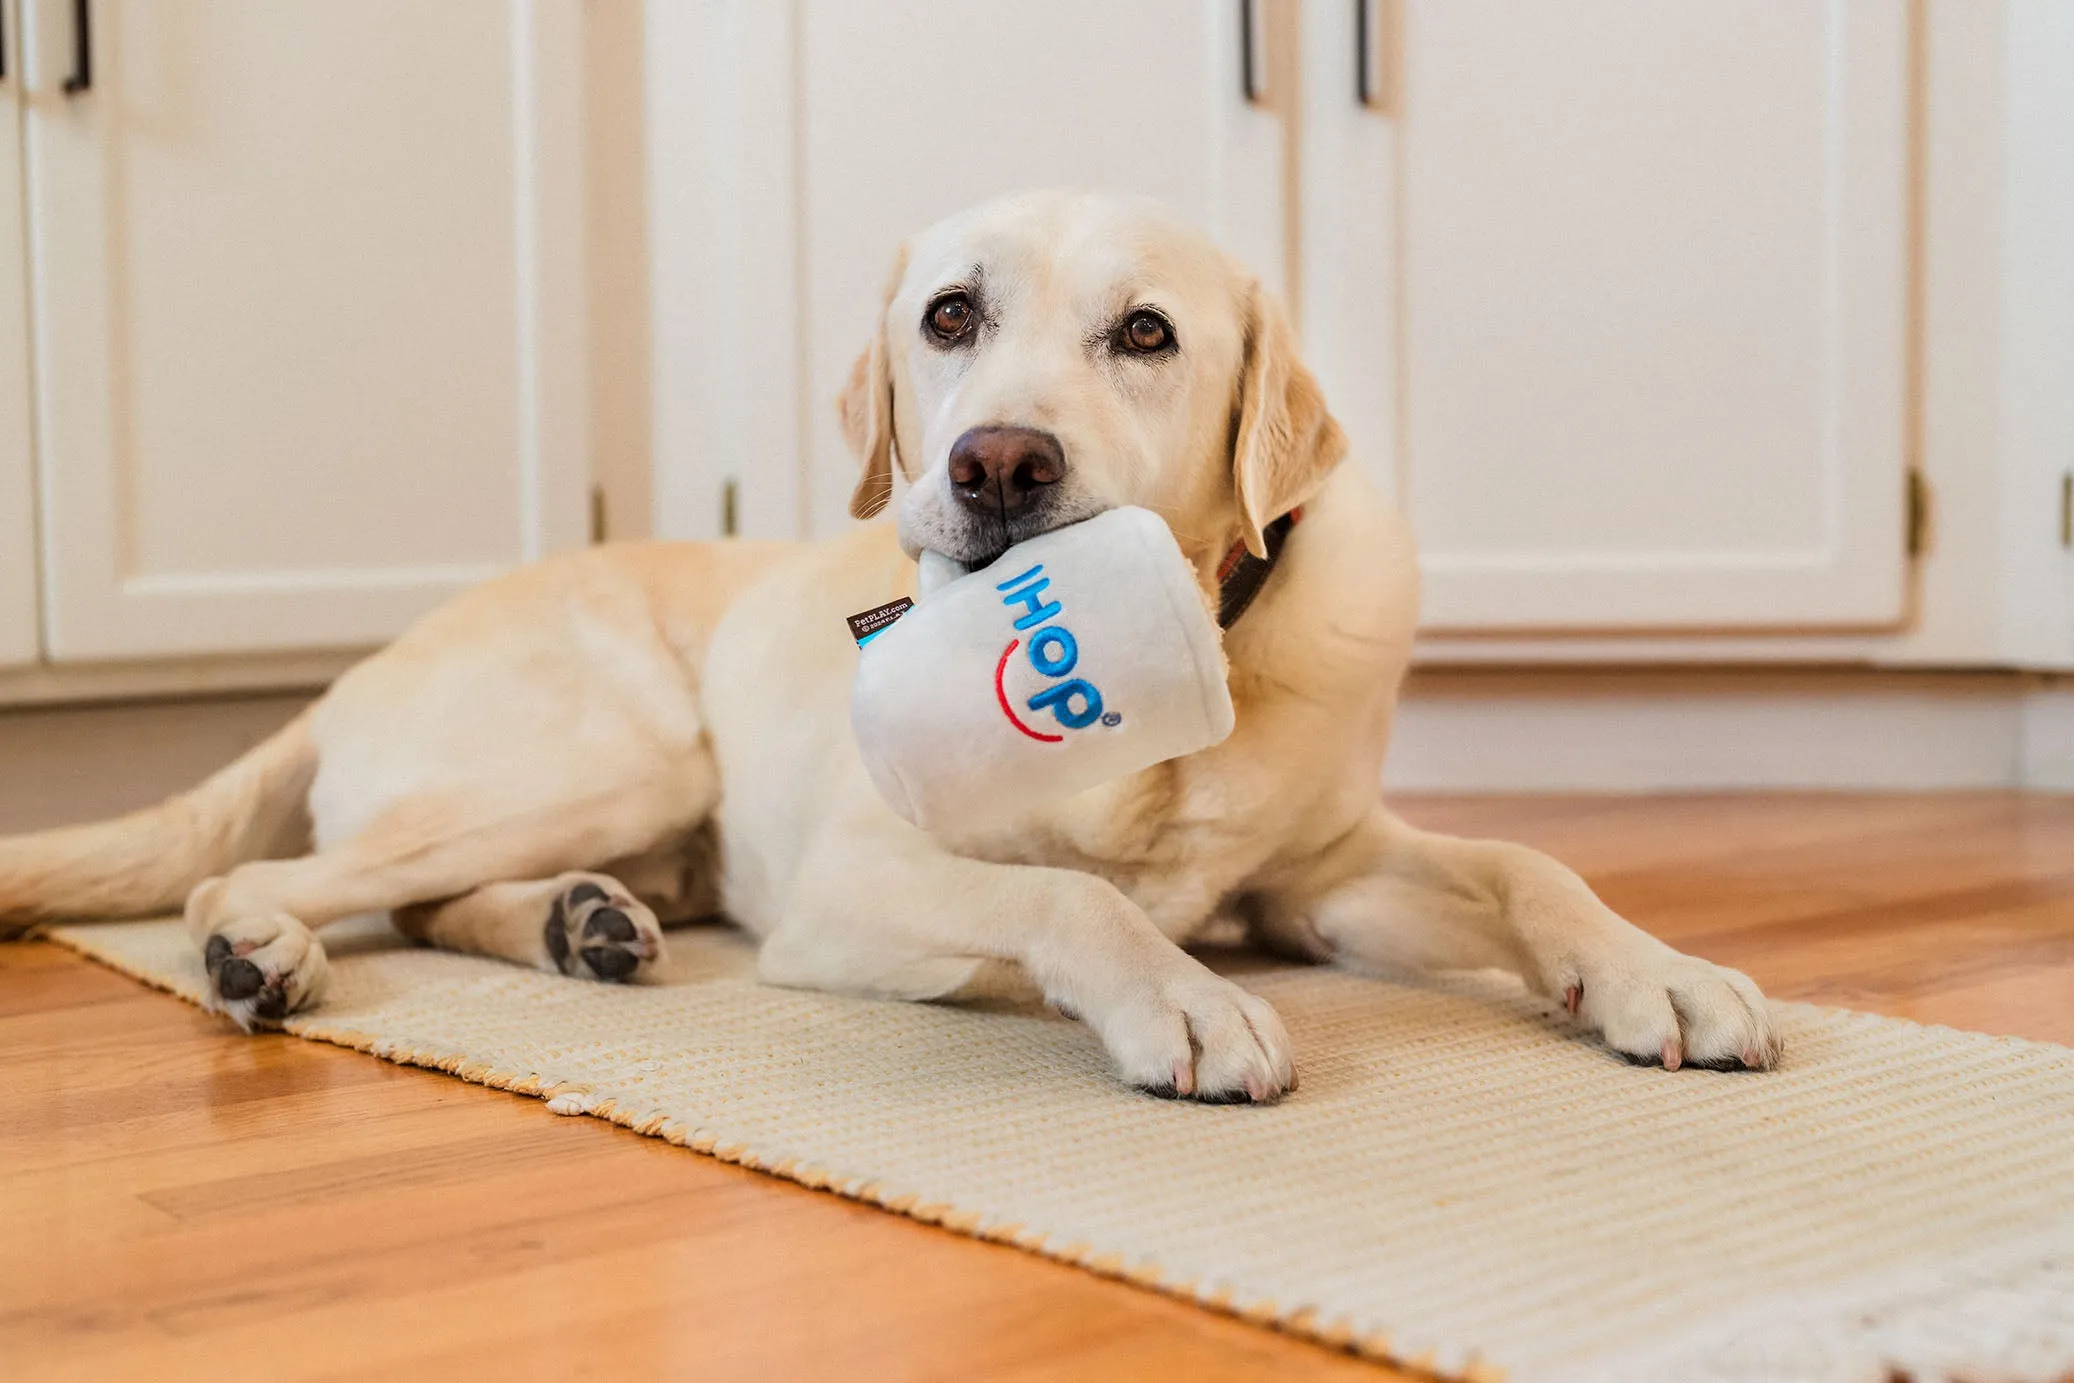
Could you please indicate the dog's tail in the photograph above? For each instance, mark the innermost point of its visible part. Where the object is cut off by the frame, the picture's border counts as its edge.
(146, 863)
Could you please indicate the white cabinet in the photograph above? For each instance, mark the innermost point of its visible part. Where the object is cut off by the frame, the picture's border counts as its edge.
(1645, 312)
(306, 282)
(1648, 346)
(793, 146)
(17, 497)
(1967, 378)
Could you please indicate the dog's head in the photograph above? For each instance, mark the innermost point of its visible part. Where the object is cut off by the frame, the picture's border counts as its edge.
(1045, 357)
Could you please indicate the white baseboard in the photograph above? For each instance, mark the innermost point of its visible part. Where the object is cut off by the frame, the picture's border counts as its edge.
(1668, 732)
(2048, 739)
(61, 764)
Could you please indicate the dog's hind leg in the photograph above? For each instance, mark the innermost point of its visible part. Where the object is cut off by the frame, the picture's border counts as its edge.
(604, 924)
(253, 924)
(584, 924)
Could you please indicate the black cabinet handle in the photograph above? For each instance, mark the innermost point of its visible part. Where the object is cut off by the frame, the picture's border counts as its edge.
(1249, 55)
(3, 43)
(1378, 25)
(82, 76)
(1364, 56)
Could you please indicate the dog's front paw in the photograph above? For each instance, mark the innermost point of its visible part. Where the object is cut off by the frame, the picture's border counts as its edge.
(1201, 1037)
(596, 931)
(1655, 1006)
(261, 969)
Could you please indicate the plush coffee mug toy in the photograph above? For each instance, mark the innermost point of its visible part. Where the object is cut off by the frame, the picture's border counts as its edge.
(1076, 657)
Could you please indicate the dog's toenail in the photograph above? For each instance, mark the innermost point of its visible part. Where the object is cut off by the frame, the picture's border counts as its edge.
(1673, 1057)
(239, 979)
(609, 962)
(1572, 997)
(216, 952)
(586, 893)
(609, 923)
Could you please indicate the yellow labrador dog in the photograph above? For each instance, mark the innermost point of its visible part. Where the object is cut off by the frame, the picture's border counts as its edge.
(551, 767)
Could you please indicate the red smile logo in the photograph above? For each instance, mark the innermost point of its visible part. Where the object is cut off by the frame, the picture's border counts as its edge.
(1001, 695)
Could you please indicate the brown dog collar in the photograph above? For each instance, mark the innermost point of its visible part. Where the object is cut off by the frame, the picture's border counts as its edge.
(1241, 575)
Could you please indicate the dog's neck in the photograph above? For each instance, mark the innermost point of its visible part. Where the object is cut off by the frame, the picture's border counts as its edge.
(1241, 575)
(1322, 627)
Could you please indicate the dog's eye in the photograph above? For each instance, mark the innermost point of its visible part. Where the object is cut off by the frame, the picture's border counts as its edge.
(1146, 332)
(950, 316)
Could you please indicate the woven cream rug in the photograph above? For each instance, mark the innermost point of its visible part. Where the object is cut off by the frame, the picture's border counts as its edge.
(1457, 1185)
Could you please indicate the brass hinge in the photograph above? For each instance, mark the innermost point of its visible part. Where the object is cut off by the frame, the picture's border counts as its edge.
(2067, 509)
(730, 506)
(1918, 513)
(597, 514)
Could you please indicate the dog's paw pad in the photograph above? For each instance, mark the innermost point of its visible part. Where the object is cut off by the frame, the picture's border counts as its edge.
(609, 939)
(596, 932)
(263, 969)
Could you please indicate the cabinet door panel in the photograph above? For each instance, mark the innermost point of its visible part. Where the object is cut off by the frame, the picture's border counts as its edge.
(308, 295)
(1654, 276)
(804, 141)
(18, 642)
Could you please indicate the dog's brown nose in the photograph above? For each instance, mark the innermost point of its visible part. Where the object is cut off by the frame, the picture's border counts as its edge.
(1002, 468)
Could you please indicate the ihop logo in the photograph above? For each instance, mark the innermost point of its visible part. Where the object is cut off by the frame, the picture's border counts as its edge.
(1074, 702)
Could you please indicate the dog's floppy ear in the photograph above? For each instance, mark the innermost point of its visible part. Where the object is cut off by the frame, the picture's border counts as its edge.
(866, 409)
(1285, 443)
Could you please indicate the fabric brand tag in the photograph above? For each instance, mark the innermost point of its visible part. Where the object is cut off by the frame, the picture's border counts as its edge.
(872, 623)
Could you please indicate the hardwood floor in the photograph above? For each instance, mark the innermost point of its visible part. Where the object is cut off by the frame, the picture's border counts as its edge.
(179, 1201)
